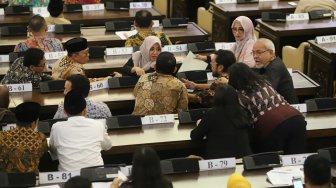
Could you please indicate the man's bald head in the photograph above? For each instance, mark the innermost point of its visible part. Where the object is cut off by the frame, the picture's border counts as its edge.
(4, 96)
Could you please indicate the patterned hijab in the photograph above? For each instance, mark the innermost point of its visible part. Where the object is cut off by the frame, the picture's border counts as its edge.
(249, 35)
(141, 58)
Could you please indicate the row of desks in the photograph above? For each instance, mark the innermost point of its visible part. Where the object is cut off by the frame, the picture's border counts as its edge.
(97, 36)
(88, 18)
(123, 99)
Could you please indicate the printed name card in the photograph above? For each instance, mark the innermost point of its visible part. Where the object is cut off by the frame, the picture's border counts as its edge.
(175, 48)
(56, 177)
(289, 160)
(55, 55)
(43, 11)
(158, 119)
(4, 58)
(214, 164)
(8, 127)
(225, 1)
(156, 23)
(92, 7)
(325, 39)
(51, 28)
(224, 45)
(15, 88)
(2, 11)
(300, 107)
(140, 5)
(297, 17)
(103, 84)
(119, 51)
(267, 0)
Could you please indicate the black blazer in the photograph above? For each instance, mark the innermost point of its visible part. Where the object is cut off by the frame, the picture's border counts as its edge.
(223, 139)
(277, 74)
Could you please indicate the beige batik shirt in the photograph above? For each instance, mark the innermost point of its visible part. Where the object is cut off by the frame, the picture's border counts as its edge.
(157, 93)
(66, 67)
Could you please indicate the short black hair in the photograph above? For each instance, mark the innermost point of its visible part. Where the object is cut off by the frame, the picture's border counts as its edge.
(143, 18)
(317, 170)
(165, 63)
(32, 56)
(80, 84)
(78, 182)
(74, 103)
(55, 7)
(225, 58)
(36, 23)
(26, 113)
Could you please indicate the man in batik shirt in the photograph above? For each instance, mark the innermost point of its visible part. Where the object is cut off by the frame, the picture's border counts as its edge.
(27, 69)
(22, 147)
(160, 92)
(38, 29)
(78, 54)
(143, 23)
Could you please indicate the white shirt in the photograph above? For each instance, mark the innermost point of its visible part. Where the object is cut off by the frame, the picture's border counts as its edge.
(77, 143)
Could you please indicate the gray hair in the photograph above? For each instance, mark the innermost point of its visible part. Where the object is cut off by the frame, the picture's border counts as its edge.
(268, 44)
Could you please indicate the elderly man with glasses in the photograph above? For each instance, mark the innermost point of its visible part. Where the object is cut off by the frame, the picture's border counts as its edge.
(274, 69)
(78, 54)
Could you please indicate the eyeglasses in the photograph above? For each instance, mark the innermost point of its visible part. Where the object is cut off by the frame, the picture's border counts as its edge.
(258, 52)
(239, 30)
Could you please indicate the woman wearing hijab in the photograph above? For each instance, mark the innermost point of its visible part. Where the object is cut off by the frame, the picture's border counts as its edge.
(144, 60)
(243, 31)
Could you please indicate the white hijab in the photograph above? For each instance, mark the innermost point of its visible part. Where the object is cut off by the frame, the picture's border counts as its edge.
(141, 58)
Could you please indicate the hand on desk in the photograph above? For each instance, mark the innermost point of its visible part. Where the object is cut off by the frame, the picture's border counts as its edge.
(139, 71)
(189, 84)
(201, 57)
(116, 74)
(222, 80)
(116, 183)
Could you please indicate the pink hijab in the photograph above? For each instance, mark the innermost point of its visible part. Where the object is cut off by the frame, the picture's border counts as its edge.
(141, 58)
(243, 48)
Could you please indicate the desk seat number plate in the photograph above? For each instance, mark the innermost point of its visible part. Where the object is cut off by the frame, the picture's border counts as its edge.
(175, 48)
(92, 7)
(56, 177)
(140, 5)
(214, 164)
(15, 88)
(103, 84)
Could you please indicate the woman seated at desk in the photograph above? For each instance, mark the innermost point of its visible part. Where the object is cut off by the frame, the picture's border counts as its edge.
(143, 61)
(225, 126)
(243, 31)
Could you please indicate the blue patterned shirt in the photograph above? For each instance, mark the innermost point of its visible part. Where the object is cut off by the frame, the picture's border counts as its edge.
(96, 110)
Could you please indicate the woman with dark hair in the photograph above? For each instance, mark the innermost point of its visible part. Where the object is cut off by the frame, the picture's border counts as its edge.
(225, 126)
(277, 125)
(146, 172)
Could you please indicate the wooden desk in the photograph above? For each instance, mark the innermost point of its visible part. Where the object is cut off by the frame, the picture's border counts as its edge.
(219, 178)
(322, 66)
(319, 126)
(293, 33)
(97, 36)
(89, 18)
(224, 14)
(116, 99)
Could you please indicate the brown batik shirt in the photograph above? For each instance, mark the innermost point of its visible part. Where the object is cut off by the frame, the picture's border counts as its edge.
(157, 93)
(21, 149)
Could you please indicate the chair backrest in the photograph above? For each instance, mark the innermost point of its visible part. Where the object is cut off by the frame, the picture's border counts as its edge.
(204, 19)
(295, 57)
(161, 6)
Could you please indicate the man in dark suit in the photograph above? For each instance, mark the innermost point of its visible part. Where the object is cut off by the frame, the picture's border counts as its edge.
(274, 69)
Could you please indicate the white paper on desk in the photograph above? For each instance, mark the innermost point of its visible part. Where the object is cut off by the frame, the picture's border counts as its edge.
(101, 184)
(284, 175)
(125, 34)
(191, 64)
